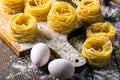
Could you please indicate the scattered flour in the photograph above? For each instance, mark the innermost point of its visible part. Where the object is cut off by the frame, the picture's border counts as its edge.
(54, 40)
(20, 69)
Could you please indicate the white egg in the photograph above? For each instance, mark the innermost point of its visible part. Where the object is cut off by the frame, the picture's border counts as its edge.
(61, 69)
(40, 54)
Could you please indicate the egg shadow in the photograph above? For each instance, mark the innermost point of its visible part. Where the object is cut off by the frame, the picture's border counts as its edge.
(45, 67)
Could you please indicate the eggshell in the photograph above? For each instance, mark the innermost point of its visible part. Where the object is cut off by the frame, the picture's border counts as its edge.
(61, 69)
(40, 54)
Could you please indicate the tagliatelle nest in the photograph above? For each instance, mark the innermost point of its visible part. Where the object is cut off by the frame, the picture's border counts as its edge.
(97, 51)
(22, 27)
(101, 29)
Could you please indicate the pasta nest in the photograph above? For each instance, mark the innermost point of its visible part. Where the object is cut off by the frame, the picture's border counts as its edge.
(13, 6)
(88, 11)
(38, 8)
(101, 29)
(97, 51)
(22, 27)
(62, 17)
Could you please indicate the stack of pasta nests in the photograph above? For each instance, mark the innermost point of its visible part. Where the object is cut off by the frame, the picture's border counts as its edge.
(97, 48)
(23, 24)
(62, 18)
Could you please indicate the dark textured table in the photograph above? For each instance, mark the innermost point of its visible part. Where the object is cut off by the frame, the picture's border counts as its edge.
(21, 68)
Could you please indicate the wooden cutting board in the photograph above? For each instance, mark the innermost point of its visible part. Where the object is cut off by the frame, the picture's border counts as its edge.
(58, 43)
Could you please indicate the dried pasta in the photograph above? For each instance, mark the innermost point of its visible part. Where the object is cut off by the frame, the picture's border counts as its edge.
(12, 6)
(62, 17)
(101, 29)
(38, 8)
(88, 11)
(97, 51)
(22, 27)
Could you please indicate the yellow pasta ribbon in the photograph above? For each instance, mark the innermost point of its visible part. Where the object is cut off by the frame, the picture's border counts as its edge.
(22, 27)
(97, 51)
(101, 29)
(88, 11)
(38, 8)
(62, 17)
(12, 6)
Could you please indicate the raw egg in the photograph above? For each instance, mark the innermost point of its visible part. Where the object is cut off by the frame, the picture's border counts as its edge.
(61, 69)
(40, 54)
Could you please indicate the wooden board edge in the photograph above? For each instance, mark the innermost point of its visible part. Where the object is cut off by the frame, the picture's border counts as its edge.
(8, 42)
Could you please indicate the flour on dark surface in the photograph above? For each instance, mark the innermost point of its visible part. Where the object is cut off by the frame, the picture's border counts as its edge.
(111, 14)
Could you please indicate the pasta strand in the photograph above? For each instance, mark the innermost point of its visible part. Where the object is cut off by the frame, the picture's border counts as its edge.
(97, 51)
(101, 29)
(38, 8)
(62, 17)
(22, 27)
(88, 11)
(12, 6)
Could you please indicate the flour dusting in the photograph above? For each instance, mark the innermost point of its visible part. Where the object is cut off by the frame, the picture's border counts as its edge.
(21, 69)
